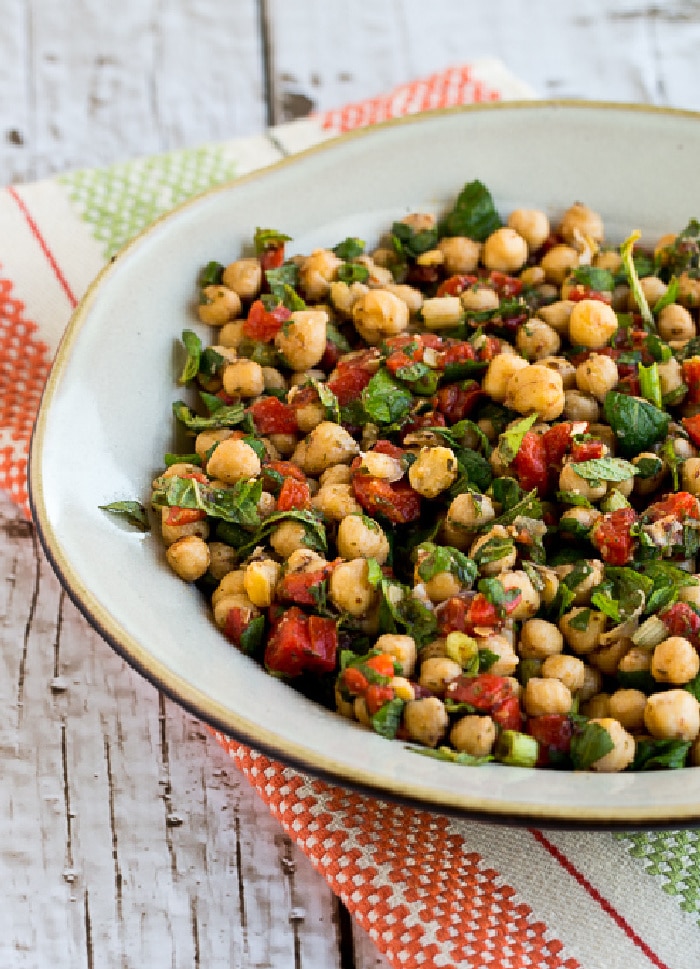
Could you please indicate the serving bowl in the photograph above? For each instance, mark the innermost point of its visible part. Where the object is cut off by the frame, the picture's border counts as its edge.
(104, 423)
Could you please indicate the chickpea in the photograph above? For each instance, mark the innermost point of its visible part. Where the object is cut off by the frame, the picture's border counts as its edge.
(505, 251)
(598, 706)
(653, 289)
(231, 334)
(569, 480)
(317, 272)
(403, 688)
(557, 315)
(536, 389)
(233, 460)
(635, 660)
(532, 276)
(574, 519)
(675, 323)
(470, 511)
(592, 684)
(597, 376)
(690, 476)
(349, 587)
(412, 297)
(568, 669)
(608, 259)
(608, 658)
(474, 735)
(500, 370)
(402, 648)
(383, 466)
(580, 220)
(442, 586)
(326, 445)
(343, 296)
(690, 593)
(309, 415)
(479, 298)
(558, 262)
(336, 474)
(565, 369)
(206, 440)
(362, 537)
(507, 661)
(675, 661)
(672, 715)
(580, 407)
(302, 339)
(218, 305)
(536, 340)
(433, 471)
(582, 641)
(287, 537)
(244, 277)
(627, 706)
(539, 639)
(543, 696)
(379, 314)
(461, 255)
(532, 225)
(688, 290)
(592, 323)
(670, 376)
(426, 720)
(234, 600)
(243, 378)
(222, 559)
(583, 589)
(437, 672)
(622, 754)
(188, 557)
(336, 502)
(233, 583)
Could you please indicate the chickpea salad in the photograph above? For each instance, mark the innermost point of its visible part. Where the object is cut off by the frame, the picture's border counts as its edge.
(450, 487)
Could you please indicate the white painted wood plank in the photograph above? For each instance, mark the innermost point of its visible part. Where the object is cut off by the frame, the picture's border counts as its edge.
(622, 50)
(128, 836)
(82, 85)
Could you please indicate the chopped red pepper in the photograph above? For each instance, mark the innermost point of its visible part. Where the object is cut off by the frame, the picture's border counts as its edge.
(262, 324)
(530, 464)
(294, 495)
(587, 450)
(396, 501)
(692, 426)
(691, 377)
(457, 401)
(300, 643)
(611, 536)
(680, 505)
(553, 732)
(272, 416)
(184, 516)
(681, 620)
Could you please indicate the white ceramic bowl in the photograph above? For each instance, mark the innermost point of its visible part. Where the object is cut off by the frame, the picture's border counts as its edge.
(104, 423)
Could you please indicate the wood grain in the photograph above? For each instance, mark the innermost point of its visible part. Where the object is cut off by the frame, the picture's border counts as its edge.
(129, 839)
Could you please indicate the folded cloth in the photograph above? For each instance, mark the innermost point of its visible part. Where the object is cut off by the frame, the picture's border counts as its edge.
(431, 891)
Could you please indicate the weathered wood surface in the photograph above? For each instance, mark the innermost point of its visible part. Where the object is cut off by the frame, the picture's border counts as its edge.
(128, 838)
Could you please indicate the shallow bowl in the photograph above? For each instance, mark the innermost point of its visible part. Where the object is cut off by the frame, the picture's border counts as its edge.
(104, 423)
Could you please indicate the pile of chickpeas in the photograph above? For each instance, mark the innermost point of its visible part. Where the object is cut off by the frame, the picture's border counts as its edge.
(570, 667)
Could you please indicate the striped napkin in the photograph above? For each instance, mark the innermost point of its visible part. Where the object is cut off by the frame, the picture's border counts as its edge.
(431, 891)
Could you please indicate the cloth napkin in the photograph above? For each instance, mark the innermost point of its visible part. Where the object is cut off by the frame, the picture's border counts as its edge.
(430, 890)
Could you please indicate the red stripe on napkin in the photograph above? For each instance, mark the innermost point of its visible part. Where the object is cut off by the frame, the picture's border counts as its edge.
(606, 906)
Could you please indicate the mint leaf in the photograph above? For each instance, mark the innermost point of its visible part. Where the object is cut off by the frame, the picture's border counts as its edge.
(193, 346)
(349, 249)
(589, 745)
(474, 214)
(133, 511)
(604, 469)
(268, 239)
(637, 423)
(384, 399)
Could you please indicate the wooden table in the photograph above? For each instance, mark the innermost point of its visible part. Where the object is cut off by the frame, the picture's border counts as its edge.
(129, 840)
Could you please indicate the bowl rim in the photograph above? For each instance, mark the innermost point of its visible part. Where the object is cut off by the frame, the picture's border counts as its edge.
(222, 719)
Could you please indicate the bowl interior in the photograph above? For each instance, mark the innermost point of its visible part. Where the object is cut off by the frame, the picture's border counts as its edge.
(105, 420)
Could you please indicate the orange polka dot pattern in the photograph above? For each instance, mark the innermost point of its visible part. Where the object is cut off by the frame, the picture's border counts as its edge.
(25, 361)
(422, 897)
